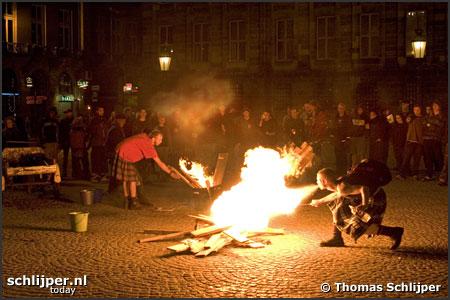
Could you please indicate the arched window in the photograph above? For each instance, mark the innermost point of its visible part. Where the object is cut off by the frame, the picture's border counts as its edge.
(65, 84)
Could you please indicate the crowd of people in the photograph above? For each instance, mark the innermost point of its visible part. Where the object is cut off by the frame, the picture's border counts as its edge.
(355, 134)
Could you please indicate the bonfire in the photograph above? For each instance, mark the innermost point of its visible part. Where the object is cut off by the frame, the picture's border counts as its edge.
(245, 210)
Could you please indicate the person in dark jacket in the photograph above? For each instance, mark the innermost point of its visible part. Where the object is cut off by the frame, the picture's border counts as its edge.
(377, 136)
(49, 134)
(414, 144)
(115, 135)
(78, 145)
(97, 135)
(142, 122)
(433, 131)
(11, 133)
(129, 123)
(64, 138)
(341, 131)
(293, 128)
(267, 127)
(399, 130)
(359, 135)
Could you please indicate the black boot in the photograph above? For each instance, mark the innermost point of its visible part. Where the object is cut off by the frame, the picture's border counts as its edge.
(394, 233)
(134, 204)
(335, 241)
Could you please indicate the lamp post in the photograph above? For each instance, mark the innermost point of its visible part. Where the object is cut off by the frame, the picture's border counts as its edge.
(165, 58)
(418, 45)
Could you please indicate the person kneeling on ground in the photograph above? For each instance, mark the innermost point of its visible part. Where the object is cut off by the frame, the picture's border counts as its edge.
(130, 151)
(357, 208)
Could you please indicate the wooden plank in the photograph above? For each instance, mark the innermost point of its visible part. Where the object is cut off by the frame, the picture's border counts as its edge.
(204, 218)
(208, 230)
(252, 244)
(159, 232)
(197, 245)
(193, 181)
(222, 242)
(213, 240)
(24, 171)
(182, 176)
(267, 231)
(238, 237)
(219, 172)
(166, 237)
(179, 247)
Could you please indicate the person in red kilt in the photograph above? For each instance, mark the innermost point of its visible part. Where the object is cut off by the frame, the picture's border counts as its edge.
(130, 151)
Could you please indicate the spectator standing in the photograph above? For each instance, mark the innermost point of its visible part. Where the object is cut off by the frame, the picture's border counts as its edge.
(341, 131)
(97, 132)
(359, 135)
(293, 127)
(267, 127)
(433, 131)
(414, 144)
(115, 135)
(11, 133)
(64, 138)
(377, 136)
(49, 134)
(129, 123)
(141, 123)
(246, 131)
(399, 130)
(78, 145)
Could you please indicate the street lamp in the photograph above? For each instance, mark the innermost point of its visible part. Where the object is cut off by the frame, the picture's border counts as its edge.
(164, 60)
(419, 44)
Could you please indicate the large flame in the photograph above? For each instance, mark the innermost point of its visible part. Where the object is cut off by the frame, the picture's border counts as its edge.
(262, 192)
(196, 171)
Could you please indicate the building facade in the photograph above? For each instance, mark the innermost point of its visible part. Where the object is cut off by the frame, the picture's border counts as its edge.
(279, 54)
(274, 54)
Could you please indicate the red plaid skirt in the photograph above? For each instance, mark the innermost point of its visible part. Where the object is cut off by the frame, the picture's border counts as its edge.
(126, 171)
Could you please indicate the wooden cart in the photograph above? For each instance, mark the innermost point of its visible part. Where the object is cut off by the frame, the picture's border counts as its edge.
(34, 175)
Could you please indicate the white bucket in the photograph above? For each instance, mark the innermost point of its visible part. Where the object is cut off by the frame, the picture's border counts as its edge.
(79, 221)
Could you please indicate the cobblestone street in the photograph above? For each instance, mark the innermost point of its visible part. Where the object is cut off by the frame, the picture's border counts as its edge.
(37, 240)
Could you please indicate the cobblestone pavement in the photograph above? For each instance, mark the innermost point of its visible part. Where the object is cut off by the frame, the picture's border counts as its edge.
(37, 240)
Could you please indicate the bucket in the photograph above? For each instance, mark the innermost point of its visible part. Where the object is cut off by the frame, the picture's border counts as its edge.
(87, 196)
(79, 221)
(98, 195)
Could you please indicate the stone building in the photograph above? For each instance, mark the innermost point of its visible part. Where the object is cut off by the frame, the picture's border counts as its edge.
(274, 54)
(279, 54)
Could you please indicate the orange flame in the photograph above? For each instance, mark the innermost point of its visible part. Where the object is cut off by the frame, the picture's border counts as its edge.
(262, 192)
(197, 171)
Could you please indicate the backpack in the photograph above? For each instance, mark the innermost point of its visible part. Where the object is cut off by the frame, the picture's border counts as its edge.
(371, 173)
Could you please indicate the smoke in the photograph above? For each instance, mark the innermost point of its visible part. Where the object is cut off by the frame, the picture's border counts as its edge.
(194, 100)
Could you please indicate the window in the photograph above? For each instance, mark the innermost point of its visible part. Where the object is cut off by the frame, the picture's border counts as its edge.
(201, 42)
(165, 38)
(282, 97)
(326, 38)
(285, 40)
(416, 24)
(237, 34)
(100, 30)
(65, 84)
(132, 38)
(38, 24)
(116, 36)
(65, 27)
(9, 23)
(369, 36)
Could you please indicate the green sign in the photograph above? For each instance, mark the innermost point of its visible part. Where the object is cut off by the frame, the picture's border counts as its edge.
(67, 98)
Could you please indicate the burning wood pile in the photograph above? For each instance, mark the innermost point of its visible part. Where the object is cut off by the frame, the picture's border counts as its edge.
(240, 215)
(209, 237)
